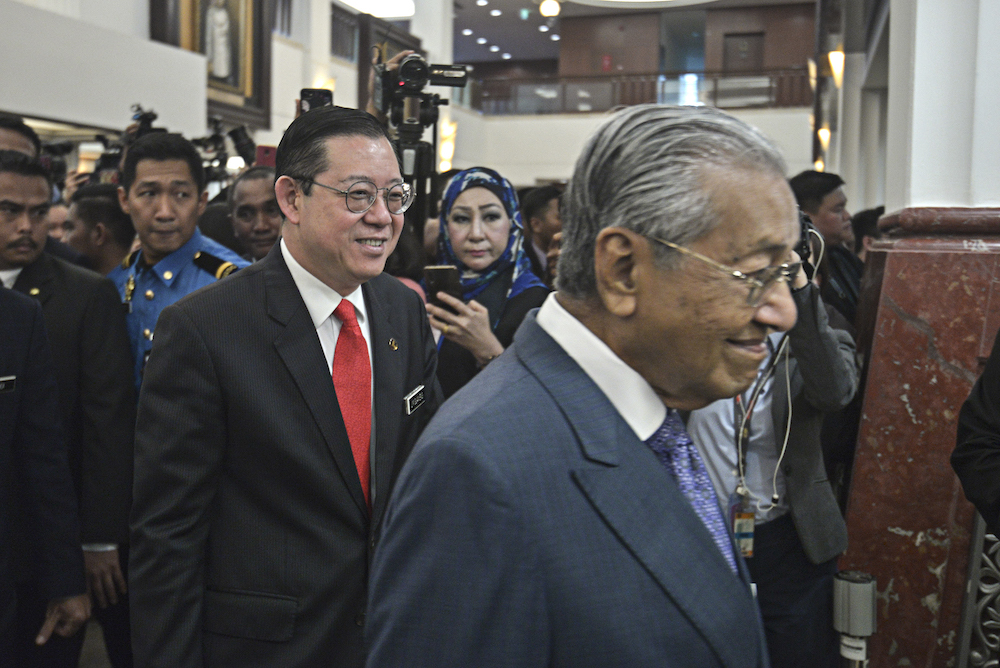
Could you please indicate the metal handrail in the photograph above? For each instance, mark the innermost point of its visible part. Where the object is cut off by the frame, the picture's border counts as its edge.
(580, 94)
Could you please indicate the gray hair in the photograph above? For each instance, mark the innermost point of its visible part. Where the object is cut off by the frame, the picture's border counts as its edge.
(643, 170)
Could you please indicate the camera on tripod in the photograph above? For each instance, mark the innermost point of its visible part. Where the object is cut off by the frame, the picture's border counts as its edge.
(399, 95)
(397, 90)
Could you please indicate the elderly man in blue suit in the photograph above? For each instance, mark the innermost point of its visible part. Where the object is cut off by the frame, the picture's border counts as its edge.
(554, 512)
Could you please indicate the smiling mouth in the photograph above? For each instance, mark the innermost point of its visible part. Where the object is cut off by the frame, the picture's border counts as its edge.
(756, 347)
(372, 243)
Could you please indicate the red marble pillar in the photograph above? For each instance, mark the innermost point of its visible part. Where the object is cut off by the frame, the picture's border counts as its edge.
(928, 313)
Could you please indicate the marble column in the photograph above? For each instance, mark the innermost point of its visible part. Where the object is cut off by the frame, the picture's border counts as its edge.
(929, 311)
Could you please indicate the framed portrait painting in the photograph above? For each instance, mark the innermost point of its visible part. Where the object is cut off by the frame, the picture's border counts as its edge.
(235, 38)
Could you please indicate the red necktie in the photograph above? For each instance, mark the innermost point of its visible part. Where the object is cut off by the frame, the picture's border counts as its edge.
(352, 380)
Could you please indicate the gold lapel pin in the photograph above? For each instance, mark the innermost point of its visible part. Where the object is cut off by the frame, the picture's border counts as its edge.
(393, 344)
(34, 292)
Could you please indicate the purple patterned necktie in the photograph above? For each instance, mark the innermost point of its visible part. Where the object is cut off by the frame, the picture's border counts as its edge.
(673, 447)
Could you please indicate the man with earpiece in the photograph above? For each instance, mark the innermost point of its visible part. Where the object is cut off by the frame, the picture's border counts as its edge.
(763, 453)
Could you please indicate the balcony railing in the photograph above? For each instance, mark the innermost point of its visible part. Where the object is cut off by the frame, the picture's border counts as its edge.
(773, 88)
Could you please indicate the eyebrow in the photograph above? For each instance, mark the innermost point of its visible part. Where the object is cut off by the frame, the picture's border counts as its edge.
(354, 178)
(465, 207)
(20, 205)
(175, 183)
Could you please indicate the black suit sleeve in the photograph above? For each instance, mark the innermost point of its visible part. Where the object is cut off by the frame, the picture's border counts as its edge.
(180, 444)
(107, 403)
(976, 458)
(42, 463)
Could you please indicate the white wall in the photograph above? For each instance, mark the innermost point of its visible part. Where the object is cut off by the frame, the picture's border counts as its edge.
(527, 149)
(65, 69)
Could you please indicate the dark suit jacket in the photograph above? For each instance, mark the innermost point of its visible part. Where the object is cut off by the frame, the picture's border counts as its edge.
(33, 460)
(531, 527)
(86, 330)
(250, 535)
(976, 458)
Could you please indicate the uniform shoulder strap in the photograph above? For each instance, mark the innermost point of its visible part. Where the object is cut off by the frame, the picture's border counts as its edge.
(213, 265)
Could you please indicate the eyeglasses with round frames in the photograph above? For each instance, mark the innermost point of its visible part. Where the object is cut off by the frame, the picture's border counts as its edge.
(758, 282)
(361, 196)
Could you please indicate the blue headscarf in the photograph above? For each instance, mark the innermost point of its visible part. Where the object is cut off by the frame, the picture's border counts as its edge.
(474, 282)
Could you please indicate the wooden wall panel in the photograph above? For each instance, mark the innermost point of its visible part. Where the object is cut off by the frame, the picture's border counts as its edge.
(609, 45)
(789, 37)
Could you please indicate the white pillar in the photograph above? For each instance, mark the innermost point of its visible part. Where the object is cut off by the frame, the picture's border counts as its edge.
(848, 144)
(432, 23)
(940, 76)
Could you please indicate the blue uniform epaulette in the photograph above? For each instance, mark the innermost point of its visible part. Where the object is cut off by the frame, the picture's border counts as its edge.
(213, 265)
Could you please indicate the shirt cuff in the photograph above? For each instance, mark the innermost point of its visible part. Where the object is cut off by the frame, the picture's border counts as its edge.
(99, 547)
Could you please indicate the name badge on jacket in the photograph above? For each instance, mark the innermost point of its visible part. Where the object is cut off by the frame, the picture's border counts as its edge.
(414, 399)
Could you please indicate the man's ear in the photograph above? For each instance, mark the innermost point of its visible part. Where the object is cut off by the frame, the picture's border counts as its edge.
(867, 242)
(123, 200)
(616, 266)
(99, 234)
(202, 202)
(289, 197)
(534, 224)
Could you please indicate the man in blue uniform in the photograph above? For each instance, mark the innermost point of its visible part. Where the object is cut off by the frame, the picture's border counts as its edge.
(163, 190)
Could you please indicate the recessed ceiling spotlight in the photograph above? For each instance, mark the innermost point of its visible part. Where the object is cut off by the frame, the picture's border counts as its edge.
(495, 12)
(506, 56)
(481, 40)
(467, 32)
(482, 3)
(543, 28)
(494, 48)
(554, 37)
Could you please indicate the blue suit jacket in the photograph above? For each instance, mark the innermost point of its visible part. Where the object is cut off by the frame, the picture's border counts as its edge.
(531, 527)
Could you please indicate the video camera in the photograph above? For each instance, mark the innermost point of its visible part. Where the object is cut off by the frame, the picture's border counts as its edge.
(399, 95)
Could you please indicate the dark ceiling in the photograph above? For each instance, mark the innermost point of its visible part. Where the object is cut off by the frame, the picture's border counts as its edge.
(516, 29)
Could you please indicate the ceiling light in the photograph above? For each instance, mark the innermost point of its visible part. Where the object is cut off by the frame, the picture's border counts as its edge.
(495, 12)
(525, 13)
(494, 48)
(549, 8)
(506, 56)
(482, 3)
(481, 40)
(554, 37)
(543, 28)
(467, 32)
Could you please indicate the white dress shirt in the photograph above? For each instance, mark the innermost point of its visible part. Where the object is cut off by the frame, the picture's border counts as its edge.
(321, 301)
(630, 394)
(9, 276)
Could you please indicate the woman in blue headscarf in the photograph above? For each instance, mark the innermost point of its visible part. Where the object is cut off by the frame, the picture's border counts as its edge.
(481, 234)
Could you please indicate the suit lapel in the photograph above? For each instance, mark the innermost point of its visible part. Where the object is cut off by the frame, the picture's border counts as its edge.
(36, 280)
(640, 502)
(387, 373)
(299, 348)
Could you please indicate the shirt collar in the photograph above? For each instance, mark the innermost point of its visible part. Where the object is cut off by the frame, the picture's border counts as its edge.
(630, 394)
(320, 299)
(169, 267)
(9, 276)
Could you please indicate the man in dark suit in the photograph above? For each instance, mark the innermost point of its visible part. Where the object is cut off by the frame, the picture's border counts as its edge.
(86, 330)
(554, 512)
(34, 472)
(262, 469)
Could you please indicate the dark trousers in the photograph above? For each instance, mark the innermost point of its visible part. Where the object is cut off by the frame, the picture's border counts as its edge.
(795, 598)
(115, 625)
